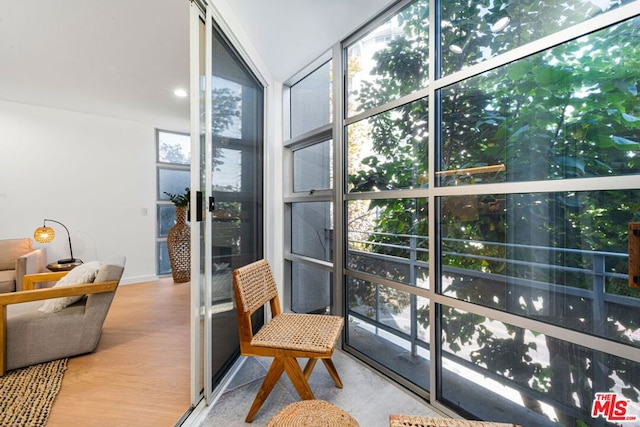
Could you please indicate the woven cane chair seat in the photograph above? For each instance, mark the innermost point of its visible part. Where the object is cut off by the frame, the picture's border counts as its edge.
(417, 421)
(306, 332)
(312, 413)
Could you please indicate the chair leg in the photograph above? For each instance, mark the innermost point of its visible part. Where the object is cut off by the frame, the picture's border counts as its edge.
(298, 378)
(308, 368)
(328, 363)
(270, 380)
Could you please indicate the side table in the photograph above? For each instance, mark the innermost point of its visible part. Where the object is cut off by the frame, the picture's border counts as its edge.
(67, 266)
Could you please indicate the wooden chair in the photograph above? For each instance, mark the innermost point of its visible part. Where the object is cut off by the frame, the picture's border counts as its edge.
(286, 337)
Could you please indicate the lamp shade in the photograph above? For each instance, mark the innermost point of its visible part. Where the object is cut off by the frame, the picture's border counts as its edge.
(44, 234)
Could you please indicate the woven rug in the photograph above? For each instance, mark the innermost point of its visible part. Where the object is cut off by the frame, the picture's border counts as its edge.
(27, 394)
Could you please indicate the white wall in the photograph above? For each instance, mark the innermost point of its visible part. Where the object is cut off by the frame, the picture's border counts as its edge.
(94, 174)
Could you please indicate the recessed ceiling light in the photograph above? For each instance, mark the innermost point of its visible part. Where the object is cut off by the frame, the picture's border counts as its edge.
(180, 93)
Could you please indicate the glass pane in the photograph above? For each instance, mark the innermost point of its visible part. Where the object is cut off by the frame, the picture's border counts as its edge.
(236, 230)
(311, 101)
(389, 151)
(310, 289)
(380, 327)
(391, 61)
(473, 34)
(164, 264)
(227, 108)
(564, 113)
(312, 229)
(313, 167)
(506, 373)
(227, 169)
(382, 304)
(174, 148)
(556, 257)
(172, 181)
(388, 238)
(166, 219)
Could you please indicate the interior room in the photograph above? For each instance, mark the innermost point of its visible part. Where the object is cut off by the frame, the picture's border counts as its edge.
(457, 183)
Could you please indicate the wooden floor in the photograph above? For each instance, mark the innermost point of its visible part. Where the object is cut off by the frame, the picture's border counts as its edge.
(139, 374)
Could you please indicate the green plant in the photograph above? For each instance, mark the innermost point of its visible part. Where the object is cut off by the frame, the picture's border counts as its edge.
(180, 199)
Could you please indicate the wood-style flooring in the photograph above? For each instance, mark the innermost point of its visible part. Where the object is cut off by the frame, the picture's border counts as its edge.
(139, 374)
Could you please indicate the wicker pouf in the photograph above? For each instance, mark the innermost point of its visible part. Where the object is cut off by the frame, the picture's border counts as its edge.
(312, 413)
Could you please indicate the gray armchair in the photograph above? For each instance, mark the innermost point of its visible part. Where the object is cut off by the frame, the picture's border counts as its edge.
(29, 336)
(17, 258)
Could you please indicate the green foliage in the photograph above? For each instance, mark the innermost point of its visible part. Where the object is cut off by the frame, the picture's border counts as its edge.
(569, 112)
(181, 200)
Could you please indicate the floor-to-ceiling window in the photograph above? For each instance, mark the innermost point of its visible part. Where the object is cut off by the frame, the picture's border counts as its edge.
(309, 189)
(173, 150)
(490, 161)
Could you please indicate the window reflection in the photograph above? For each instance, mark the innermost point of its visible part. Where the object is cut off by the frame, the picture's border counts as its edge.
(227, 108)
(227, 170)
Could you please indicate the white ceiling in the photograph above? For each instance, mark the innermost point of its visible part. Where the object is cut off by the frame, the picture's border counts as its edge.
(124, 58)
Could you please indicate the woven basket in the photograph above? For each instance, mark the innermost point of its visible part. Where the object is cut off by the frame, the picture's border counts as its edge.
(179, 246)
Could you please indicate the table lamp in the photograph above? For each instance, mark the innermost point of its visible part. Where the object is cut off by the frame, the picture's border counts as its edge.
(46, 234)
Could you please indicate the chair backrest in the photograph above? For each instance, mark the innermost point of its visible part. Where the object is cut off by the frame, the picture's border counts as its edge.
(11, 249)
(109, 271)
(97, 305)
(254, 285)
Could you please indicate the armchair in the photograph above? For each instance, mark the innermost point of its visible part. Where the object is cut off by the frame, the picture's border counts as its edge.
(29, 336)
(17, 258)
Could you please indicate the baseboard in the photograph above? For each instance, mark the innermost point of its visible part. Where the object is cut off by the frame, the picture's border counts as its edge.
(138, 279)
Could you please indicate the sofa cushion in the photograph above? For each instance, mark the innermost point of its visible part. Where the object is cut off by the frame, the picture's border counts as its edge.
(85, 273)
(7, 281)
(10, 250)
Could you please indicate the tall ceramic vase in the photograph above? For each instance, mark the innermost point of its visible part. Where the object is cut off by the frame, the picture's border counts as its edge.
(179, 245)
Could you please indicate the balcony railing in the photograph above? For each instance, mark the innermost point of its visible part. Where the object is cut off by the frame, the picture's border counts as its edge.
(591, 291)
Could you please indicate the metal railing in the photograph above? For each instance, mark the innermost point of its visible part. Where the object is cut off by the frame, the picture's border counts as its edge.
(592, 289)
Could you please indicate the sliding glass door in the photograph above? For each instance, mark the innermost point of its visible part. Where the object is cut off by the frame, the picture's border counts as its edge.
(235, 189)
(227, 132)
